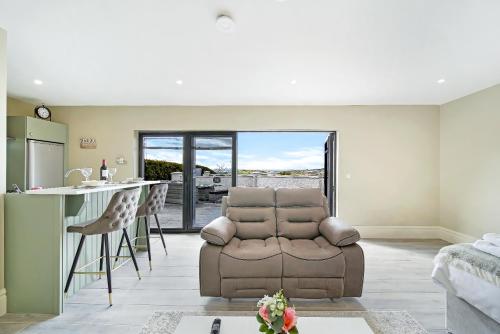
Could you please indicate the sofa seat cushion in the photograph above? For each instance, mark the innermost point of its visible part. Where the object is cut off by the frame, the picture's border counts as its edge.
(311, 258)
(251, 258)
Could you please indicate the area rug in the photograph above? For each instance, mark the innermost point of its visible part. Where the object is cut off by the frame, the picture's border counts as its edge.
(381, 322)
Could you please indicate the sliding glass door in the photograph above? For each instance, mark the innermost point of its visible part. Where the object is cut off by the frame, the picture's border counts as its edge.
(213, 175)
(199, 169)
(163, 160)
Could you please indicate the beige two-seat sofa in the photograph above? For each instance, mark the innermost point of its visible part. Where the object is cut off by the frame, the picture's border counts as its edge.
(267, 240)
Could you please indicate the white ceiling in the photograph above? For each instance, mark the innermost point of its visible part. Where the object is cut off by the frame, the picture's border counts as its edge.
(132, 52)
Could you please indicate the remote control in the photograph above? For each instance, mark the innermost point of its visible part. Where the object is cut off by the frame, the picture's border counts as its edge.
(215, 326)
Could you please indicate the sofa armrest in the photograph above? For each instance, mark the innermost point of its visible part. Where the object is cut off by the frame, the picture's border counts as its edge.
(219, 232)
(338, 232)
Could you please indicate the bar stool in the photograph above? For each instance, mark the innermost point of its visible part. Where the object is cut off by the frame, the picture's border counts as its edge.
(154, 204)
(119, 214)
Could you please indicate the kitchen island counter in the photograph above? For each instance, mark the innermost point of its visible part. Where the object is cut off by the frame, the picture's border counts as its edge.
(39, 251)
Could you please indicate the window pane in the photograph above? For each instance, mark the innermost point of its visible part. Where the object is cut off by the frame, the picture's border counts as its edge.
(163, 158)
(212, 177)
(174, 143)
(281, 159)
(213, 143)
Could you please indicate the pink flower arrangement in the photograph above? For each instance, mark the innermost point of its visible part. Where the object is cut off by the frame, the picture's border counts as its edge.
(275, 316)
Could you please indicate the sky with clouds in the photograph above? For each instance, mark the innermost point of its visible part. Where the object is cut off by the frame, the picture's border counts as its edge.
(256, 150)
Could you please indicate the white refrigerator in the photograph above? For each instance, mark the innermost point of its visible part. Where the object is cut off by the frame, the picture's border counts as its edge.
(45, 164)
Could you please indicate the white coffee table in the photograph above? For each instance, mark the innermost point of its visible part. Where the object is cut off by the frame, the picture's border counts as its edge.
(249, 325)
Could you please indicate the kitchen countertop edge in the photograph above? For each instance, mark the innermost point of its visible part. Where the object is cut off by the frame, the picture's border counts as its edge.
(82, 191)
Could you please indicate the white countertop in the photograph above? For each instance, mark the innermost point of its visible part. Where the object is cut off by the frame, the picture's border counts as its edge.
(72, 190)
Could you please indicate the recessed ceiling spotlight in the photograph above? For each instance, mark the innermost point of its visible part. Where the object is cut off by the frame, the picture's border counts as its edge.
(38, 82)
(293, 82)
(224, 23)
(441, 81)
(179, 82)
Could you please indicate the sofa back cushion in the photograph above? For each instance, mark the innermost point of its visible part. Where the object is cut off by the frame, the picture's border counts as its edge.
(299, 212)
(253, 212)
(251, 197)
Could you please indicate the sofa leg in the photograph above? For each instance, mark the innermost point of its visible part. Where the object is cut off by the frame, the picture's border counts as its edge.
(332, 300)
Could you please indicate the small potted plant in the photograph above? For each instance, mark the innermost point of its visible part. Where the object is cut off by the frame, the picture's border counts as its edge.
(275, 316)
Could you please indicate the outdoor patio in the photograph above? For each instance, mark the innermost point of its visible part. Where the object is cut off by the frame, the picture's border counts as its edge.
(210, 189)
(171, 216)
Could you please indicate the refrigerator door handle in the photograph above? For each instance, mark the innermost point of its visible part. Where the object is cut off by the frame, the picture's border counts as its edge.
(31, 165)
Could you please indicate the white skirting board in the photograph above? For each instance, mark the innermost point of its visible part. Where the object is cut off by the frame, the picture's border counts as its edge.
(413, 232)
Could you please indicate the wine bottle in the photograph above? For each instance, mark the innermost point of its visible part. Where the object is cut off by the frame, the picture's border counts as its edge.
(104, 170)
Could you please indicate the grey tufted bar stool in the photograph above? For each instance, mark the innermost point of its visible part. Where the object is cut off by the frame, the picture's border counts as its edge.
(119, 214)
(154, 204)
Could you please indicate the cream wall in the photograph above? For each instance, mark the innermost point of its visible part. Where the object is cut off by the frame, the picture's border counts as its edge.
(391, 152)
(470, 163)
(3, 136)
(17, 107)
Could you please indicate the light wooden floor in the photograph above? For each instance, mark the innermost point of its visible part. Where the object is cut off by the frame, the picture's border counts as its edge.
(397, 278)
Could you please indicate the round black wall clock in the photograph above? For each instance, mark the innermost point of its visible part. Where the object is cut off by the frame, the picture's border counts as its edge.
(43, 112)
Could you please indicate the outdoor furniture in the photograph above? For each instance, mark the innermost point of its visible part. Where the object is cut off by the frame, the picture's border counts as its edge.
(215, 196)
(203, 192)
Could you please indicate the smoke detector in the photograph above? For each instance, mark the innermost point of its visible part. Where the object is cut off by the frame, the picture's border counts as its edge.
(224, 23)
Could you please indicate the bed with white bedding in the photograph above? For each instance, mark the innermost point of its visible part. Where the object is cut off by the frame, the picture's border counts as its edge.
(474, 277)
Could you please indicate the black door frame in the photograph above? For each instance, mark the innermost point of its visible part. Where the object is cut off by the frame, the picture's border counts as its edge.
(331, 187)
(188, 213)
(330, 172)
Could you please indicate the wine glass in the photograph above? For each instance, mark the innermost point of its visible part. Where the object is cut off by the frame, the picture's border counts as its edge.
(112, 172)
(86, 172)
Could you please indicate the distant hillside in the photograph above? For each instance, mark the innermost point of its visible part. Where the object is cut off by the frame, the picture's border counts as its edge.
(291, 172)
(162, 170)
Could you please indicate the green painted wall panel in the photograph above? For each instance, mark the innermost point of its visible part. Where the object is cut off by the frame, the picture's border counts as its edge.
(32, 252)
(16, 163)
(48, 131)
(34, 128)
(16, 126)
